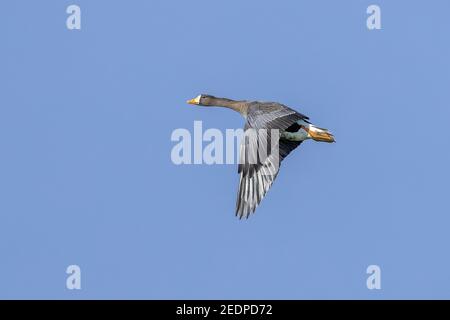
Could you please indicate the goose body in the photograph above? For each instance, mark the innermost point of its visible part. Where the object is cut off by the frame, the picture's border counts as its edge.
(272, 130)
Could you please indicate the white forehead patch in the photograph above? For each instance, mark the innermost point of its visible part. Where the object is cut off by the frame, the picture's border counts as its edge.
(197, 99)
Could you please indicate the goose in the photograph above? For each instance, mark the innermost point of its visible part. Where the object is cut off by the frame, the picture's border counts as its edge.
(272, 131)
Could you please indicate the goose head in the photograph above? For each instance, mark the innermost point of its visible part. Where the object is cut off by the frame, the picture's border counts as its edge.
(202, 100)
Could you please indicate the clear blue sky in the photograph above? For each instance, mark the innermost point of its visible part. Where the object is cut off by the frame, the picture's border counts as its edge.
(85, 170)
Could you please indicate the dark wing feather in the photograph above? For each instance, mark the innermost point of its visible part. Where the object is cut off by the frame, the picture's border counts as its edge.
(256, 178)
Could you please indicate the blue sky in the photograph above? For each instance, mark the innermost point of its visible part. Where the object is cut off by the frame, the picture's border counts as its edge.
(86, 176)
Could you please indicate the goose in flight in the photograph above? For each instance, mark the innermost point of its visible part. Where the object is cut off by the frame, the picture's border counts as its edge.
(272, 130)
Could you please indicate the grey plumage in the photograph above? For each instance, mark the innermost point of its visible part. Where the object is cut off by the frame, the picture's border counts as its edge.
(256, 179)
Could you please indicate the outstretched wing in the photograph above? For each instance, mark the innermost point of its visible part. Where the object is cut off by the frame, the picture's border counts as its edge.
(257, 174)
